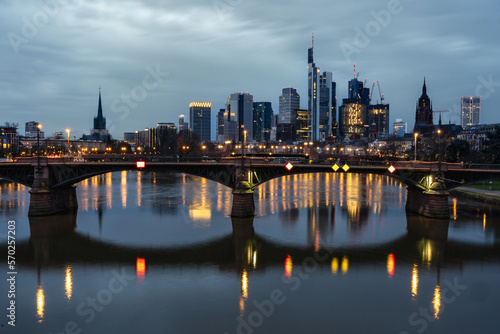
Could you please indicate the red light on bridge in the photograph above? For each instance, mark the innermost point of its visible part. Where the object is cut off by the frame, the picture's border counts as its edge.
(288, 166)
(140, 164)
(392, 169)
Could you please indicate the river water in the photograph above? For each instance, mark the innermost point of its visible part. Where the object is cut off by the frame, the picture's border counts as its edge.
(325, 253)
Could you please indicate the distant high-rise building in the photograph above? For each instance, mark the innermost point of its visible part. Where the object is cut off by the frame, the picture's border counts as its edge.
(423, 113)
(166, 126)
(262, 116)
(289, 103)
(321, 100)
(399, 128)
(129, 137)
(312, 94)
(200, 119)
(470, 111)
(274, 127)
(333, 118)
(353, 114)
(220, 125)
(152, 138)
(327, 105)
(302, 125)
(31, 129)
(378, 119)
(183, 125)
(238, 117)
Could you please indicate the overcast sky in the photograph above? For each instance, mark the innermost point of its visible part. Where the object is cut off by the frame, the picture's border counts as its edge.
(153, 57)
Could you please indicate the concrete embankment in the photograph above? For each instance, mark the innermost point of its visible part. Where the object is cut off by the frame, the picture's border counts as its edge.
(485, 196)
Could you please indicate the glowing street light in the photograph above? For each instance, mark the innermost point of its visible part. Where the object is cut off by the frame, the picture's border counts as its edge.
(439, 143)
(69, 151)
(244, 141)
(416, 136)
(38, 127)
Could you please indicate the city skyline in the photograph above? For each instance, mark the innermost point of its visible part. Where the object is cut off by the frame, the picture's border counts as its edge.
(57, 55)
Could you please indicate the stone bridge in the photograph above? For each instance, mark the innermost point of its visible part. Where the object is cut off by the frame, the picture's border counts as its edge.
(53, 183)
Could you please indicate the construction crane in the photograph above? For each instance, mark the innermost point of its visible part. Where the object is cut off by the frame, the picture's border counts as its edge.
(356, 76)
(440, 112)
(371, 91)
(380, 92)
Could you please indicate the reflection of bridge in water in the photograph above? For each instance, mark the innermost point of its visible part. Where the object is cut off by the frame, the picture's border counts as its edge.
(53, 183)
(54, 241)
(55, 244)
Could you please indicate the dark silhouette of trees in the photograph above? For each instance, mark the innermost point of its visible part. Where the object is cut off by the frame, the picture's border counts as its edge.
(492, 146)
(456, 150)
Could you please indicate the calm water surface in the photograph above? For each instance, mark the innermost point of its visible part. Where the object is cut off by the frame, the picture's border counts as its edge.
(326, 253)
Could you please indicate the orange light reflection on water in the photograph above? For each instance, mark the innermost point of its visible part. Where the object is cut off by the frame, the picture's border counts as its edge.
(140, 267)
(288, 266)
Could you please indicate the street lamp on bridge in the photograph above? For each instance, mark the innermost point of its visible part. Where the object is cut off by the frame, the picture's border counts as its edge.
(416, 136)
(69, 151)
(38, 127)
(439, 154)
(244, 141)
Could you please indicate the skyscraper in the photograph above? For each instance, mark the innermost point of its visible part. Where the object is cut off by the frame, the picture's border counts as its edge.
(423, 113)
(262, 116)
(183, 125)
(399, 128)
(327, 105)
(321, 101)
(378, 119)
(312, 93)
(220, 125)
(302, 125)
(238, 117)
(353, 114)
(199, 119)
(470, 111)
(289, 103)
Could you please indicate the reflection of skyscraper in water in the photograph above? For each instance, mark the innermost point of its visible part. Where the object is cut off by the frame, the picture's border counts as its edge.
(356, 202)
(290, 216)
(320, 222)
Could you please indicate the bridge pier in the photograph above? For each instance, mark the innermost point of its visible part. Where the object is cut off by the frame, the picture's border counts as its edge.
(432, 203)
(44, 200)
(243, 203)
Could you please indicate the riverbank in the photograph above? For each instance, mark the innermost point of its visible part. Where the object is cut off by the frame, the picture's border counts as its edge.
(485, 196)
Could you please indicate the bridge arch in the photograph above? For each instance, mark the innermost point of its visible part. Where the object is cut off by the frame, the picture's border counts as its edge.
(19, 173)
(67, 175)
(261, 174)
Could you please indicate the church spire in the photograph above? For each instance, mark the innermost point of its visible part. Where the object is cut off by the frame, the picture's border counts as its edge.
(99, 121)
(99, 106)
(424, 89)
